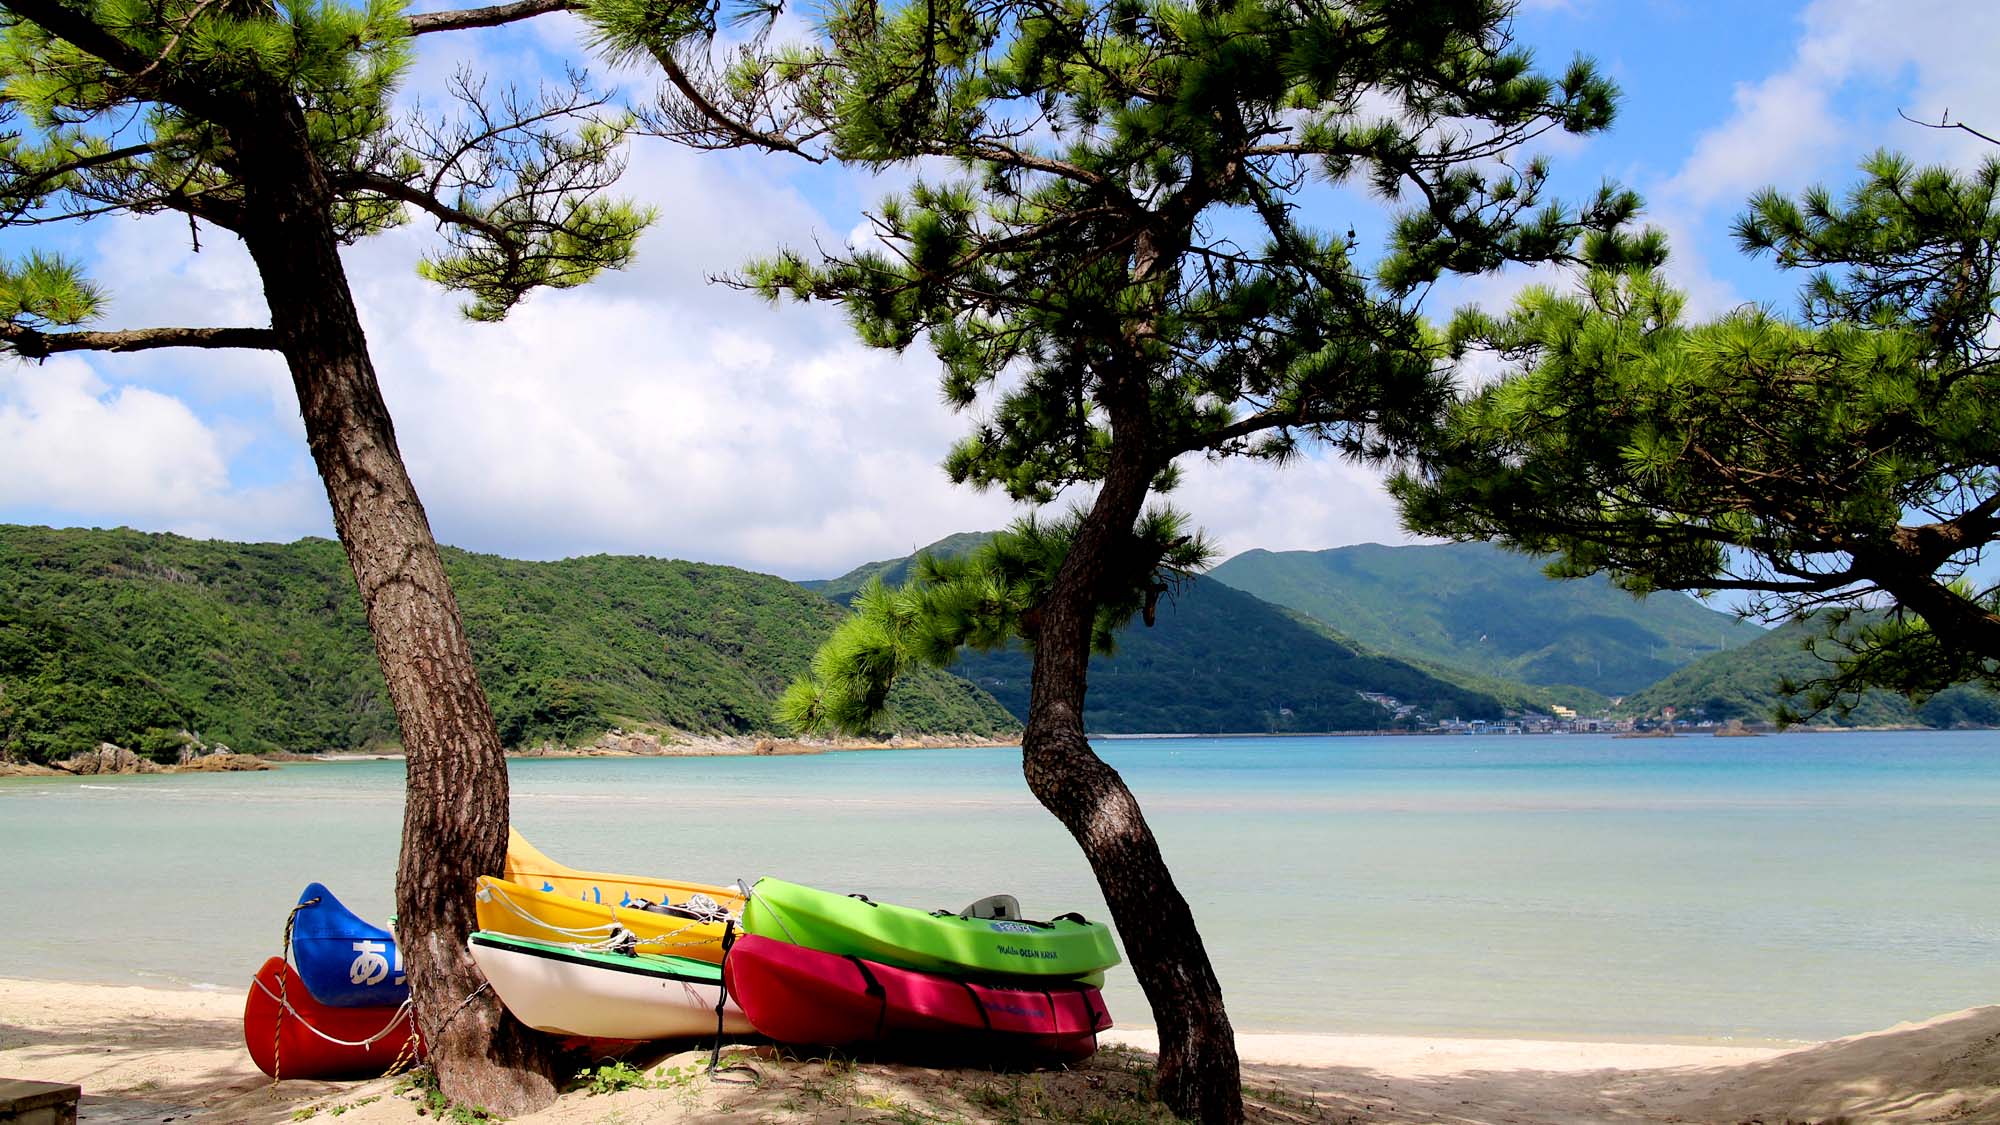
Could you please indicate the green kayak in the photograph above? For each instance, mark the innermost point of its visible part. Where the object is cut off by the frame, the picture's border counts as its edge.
(938, 942)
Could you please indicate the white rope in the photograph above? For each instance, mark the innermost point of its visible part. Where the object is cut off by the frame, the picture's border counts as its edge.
(776, 915)
(402, 1013)
(616, 933)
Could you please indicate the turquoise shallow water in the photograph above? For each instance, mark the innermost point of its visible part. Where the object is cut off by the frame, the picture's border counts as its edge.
(1792, 887)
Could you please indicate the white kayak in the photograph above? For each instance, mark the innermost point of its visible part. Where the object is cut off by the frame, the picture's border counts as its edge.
(604, 995)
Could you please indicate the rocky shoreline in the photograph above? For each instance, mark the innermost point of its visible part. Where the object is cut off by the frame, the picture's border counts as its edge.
(110, 759)
(680, 744)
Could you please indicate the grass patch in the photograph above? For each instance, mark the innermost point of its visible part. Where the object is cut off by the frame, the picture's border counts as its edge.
(421, 1085)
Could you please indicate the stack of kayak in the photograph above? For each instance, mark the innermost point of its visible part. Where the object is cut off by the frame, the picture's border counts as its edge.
(605, 956)
(340, 1009)
(822, 968)
(623, 957)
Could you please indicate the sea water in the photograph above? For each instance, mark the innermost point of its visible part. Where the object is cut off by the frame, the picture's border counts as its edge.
(1791, 887)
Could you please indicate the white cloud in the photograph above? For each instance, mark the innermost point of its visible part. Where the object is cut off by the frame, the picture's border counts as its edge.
(1316, 502)
(73, 441)
(1855, 64)
(1792, 127)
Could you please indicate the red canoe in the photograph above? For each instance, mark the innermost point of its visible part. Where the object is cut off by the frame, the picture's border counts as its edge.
(291, 1035)
(799, 995)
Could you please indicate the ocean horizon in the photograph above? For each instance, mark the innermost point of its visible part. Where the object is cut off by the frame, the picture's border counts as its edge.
(1789, 888)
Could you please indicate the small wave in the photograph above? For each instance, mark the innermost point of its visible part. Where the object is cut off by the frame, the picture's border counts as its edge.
(106, 788)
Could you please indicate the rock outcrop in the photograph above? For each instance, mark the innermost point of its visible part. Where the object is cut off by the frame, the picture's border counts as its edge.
(224, 762)
(107, 758)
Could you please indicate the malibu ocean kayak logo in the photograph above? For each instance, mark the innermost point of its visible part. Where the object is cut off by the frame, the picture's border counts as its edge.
(1011, 928)
(1038, 954)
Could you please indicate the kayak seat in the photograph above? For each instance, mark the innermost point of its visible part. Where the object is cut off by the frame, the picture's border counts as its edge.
(993, 906)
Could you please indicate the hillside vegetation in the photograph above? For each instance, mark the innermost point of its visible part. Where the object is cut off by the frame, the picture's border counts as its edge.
(893, 572)
(129, 637)
(1491, 612)
(1219, 660)
(1743, 684)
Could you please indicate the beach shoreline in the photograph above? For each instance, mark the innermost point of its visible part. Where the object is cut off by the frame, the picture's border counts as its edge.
(614, 744)
(145, 1054)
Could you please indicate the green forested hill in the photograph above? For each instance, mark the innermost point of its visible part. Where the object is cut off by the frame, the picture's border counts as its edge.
(1218, 660)
(1743, 684)
(126, 637)
(892, 572)
(1491, 612)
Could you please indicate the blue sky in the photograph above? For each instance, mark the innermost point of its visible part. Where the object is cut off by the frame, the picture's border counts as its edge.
(652, 413)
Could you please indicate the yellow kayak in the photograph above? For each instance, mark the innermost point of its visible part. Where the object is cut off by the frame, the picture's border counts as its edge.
(527, 866)
(593, 908)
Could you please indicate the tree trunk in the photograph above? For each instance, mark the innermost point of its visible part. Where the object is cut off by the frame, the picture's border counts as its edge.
(455, 811)
(1199, 1077)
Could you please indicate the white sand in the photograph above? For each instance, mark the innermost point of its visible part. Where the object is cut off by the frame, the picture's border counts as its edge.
(146, 1055)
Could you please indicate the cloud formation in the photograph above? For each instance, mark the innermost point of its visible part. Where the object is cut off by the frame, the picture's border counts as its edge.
(653, 412)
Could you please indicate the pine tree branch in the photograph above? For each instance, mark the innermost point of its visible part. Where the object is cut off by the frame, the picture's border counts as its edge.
(466, 18)
(742, 132)
(1947, 123)
(76, 26)
(34, 344)
(1008, 156)
(29, 182)
(396, 189)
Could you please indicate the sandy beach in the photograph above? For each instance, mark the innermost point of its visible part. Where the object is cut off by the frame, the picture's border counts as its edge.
(158, 1055)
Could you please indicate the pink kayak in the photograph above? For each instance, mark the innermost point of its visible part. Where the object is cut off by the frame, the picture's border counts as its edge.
(799, 995)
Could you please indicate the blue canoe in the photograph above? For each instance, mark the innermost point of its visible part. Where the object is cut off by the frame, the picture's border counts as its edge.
(344, 961)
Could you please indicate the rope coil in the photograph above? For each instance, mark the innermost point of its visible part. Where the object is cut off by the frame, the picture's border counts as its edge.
(616, 934)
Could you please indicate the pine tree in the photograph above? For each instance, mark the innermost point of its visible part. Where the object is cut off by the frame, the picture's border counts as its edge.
(1125, 276)
(1833, 461)
(273, 123)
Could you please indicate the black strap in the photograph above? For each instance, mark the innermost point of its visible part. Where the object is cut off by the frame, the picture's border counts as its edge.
(978, 1003)
(873, 988)
(863, 898)
(1072, 916)
(722, 993)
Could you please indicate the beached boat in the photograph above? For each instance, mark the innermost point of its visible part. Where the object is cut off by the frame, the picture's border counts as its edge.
(345, 961)
(603, 995)
(509, 908)
(938, 942)
(291, 1035)
(798, 995)
(527, 866)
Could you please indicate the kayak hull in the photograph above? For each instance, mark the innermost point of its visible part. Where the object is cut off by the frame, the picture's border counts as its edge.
(279, 1021)
(602, 995)
(897, 935)
(806, 996)
(527, 866)
(345, 961)
(510, 908)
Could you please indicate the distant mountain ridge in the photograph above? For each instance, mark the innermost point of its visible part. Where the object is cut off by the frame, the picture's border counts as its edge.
(1475, 607)
(893, 572)
(1216, 661)
(127, 637)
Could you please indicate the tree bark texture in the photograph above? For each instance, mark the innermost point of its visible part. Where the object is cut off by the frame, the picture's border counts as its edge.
(1199, 1075)
(455, 811)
